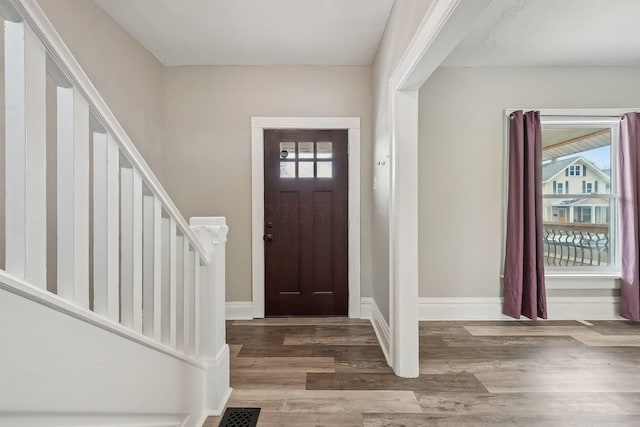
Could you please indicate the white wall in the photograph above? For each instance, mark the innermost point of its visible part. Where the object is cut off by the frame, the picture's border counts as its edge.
(207, 121)
(405, 17)
(461, 159)
(57, 370)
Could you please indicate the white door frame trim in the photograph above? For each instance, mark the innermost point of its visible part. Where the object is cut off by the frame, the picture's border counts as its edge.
(443, 27)
(258, 126)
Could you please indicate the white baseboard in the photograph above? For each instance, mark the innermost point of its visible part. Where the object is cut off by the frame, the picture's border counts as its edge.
(474, 308)
(365, 307)
(27, 419)
(584, 308)
(490, 308)
(239, 310)
(463, 308)
(381, 329)
(243, 310)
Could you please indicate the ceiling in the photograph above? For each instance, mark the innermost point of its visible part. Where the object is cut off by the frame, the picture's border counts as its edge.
(552, 33)
(565, 142)
(254, 32)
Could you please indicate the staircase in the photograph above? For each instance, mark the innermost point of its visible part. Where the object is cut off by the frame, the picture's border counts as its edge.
(111, 304)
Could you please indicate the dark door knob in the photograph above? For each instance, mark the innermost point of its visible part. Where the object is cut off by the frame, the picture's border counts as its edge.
(267, 237)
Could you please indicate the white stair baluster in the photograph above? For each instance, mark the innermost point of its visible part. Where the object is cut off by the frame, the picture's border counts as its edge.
(148, 266)
(126, 246)
(106, 168)
(172, 283)
(25, 122)
(131, 248)
(73, 196)
(157, 269)
(137, 252)
(197, 336)
(189, 290)
(179, 295)
(166, 279)
(186, 276)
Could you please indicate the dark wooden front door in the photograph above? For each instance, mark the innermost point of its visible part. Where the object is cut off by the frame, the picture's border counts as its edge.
(306, 222)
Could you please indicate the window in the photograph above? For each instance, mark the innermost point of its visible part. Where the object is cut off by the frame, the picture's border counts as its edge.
(301, 162)
(587, 187)
(583, 214)
(579, 199)
(574, 170)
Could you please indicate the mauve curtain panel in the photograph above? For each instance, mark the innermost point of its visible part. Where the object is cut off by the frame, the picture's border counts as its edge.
(524, 287)
(629, 177)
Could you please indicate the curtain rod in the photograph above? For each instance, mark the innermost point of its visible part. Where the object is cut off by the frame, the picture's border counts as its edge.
(511, 116)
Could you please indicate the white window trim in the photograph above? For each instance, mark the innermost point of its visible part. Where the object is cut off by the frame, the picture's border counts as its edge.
(596, 117)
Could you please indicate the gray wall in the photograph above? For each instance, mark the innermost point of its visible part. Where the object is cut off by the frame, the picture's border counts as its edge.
(461, 157)
(199, 119)
(207, 121)
(127, 76)
(405, 17)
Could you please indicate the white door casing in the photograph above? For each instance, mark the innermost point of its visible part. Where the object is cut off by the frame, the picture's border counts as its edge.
(258, 126)
(443, 27)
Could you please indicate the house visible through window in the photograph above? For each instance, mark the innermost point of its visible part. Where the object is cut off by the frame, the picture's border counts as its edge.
(579, 197)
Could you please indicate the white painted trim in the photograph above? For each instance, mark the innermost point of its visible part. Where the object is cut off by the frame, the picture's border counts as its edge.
(19, 287)
(243, 310)
(305, 122)
(582, 281)
(381, 328)
(365, 307)
(588, 308)
(444, 25)
(258, 125)
(490, 308)
(464, 308)
(239, 310)
(218, 380)
(93, 419)
(64, 59)
(25, 162)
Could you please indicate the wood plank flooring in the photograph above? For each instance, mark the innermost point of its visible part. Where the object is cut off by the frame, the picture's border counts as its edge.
(331, 372)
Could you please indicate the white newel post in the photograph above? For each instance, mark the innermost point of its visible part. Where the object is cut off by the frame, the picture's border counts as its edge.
(212, 233)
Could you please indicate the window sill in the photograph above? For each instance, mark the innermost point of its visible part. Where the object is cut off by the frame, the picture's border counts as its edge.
(582, 280)
(582, 275)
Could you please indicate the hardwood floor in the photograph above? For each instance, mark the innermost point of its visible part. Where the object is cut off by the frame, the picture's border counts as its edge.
(331, 372)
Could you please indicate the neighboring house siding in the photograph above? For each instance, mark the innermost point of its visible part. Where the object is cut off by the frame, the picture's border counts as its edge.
(564, 210)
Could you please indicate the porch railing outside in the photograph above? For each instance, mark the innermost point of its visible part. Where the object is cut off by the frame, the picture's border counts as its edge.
(576, 244)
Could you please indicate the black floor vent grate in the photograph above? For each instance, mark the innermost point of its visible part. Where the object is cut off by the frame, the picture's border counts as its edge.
(240, 417)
